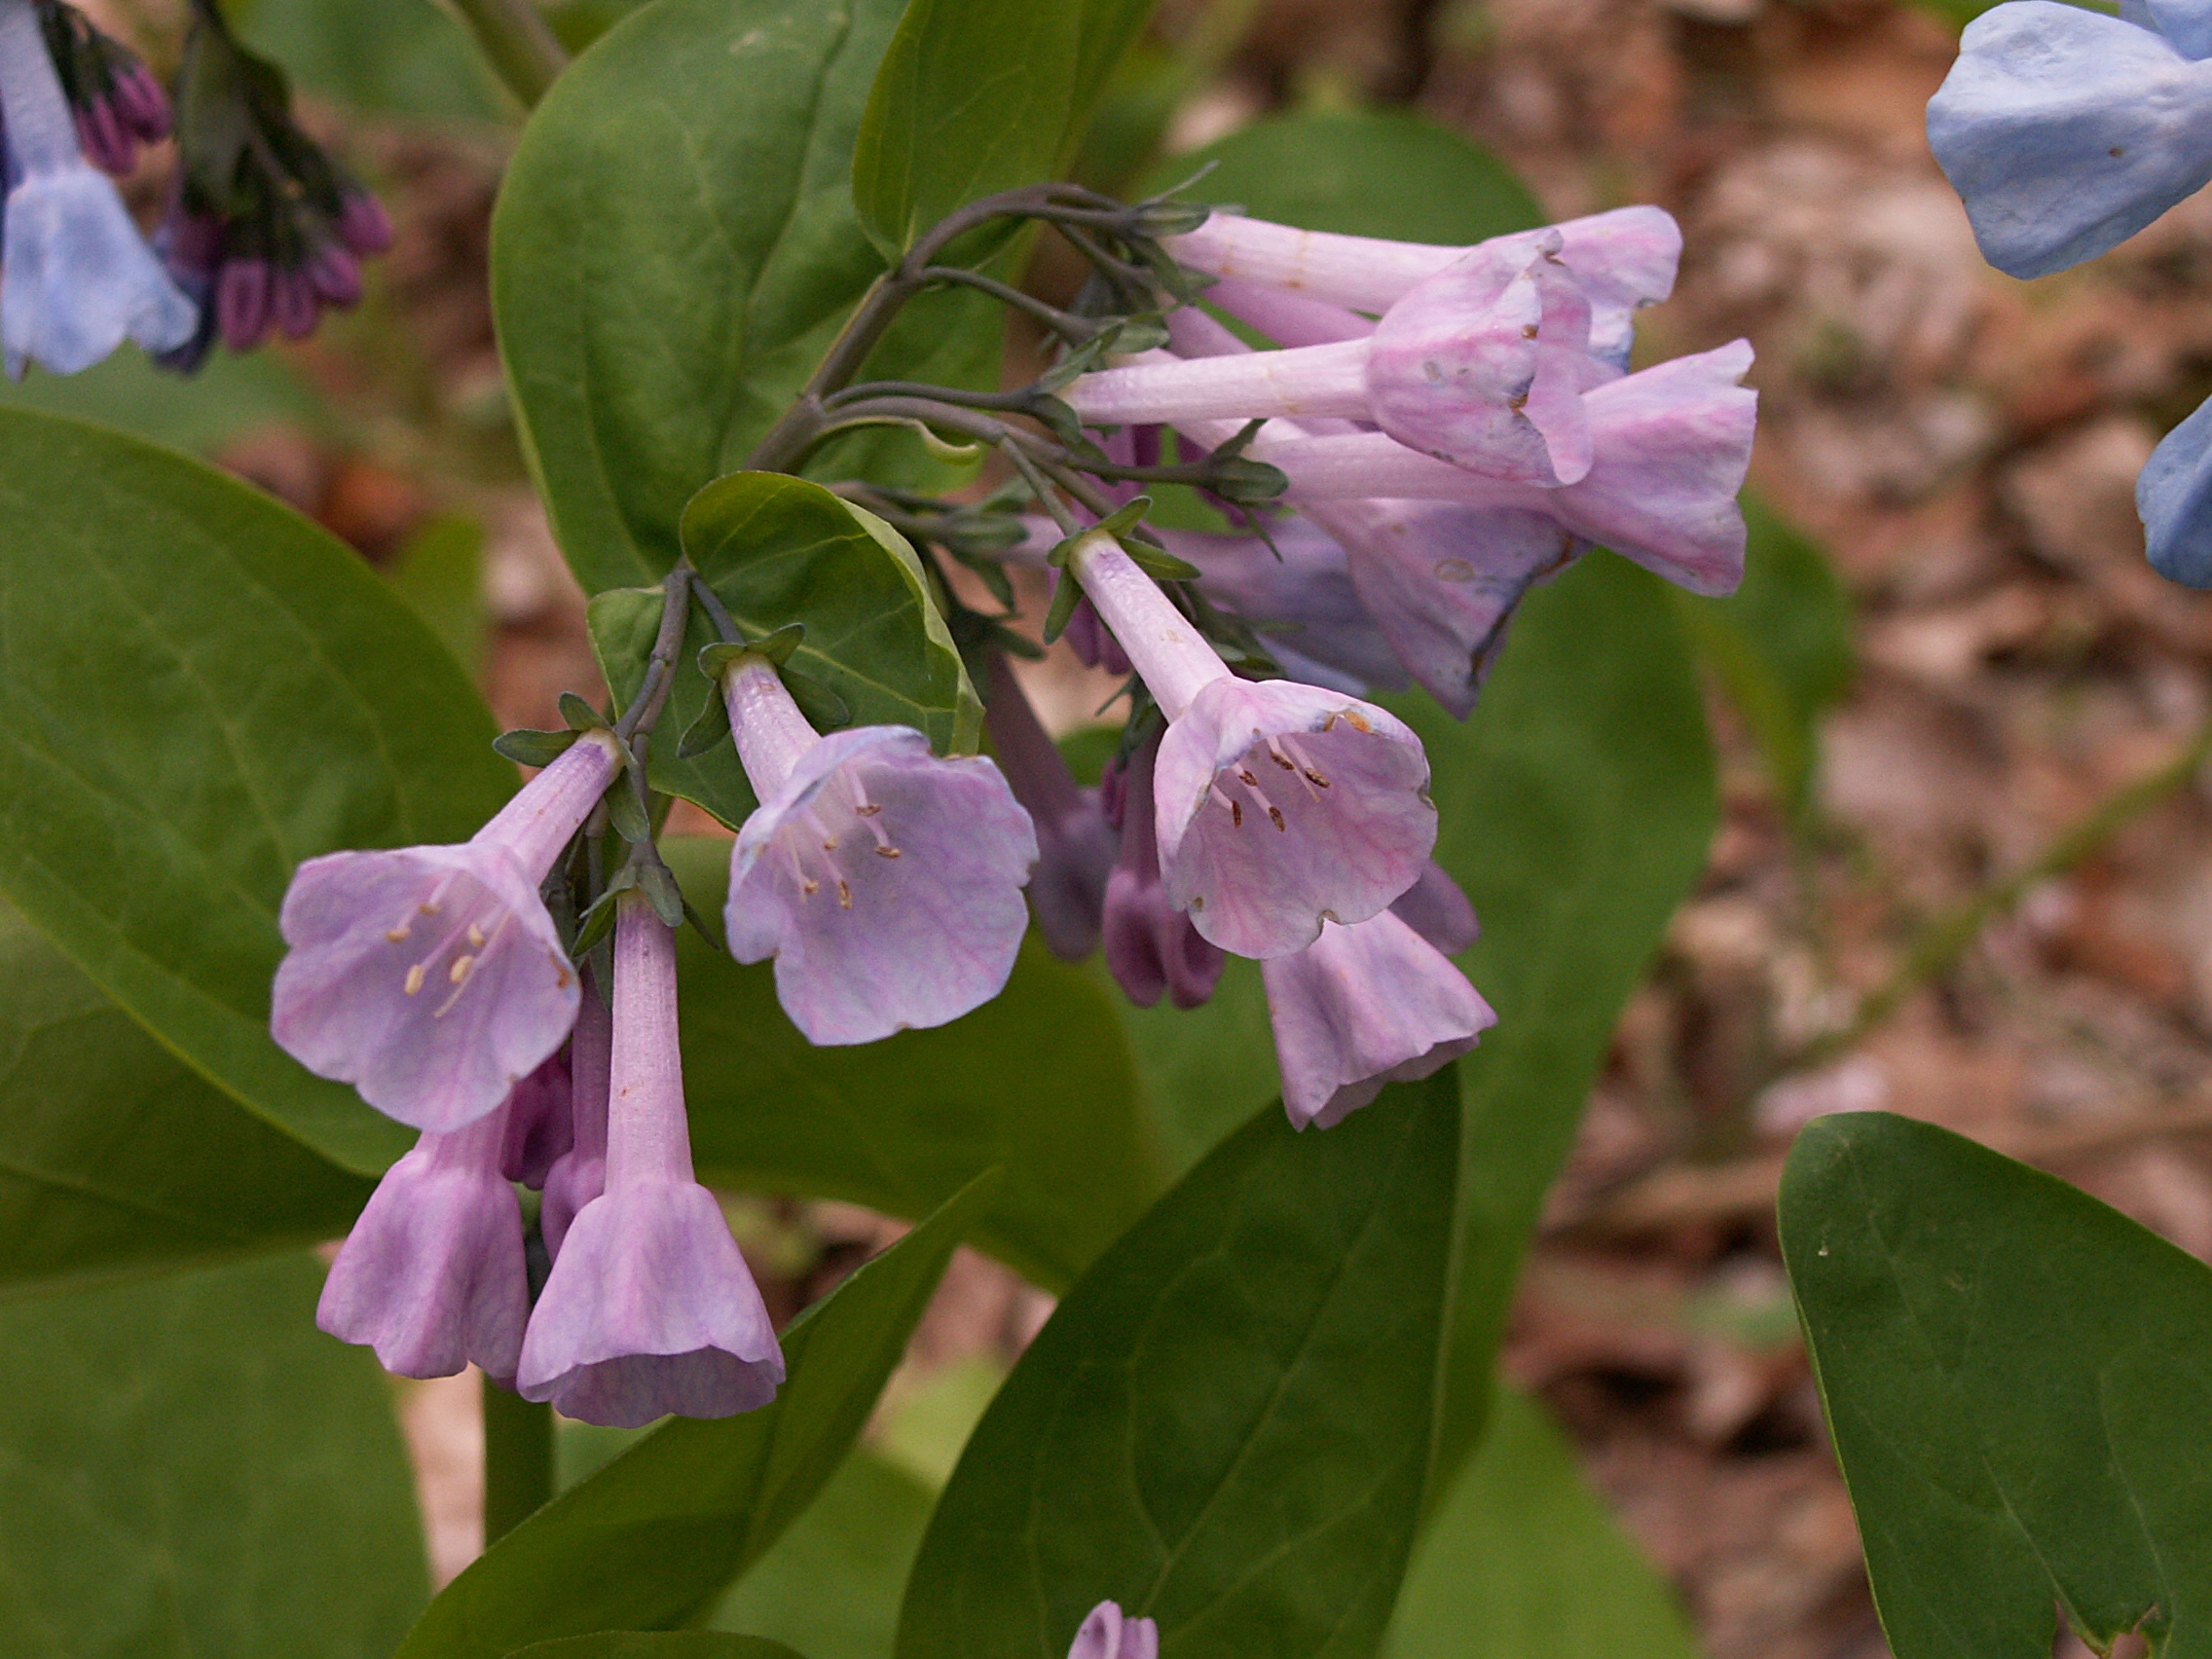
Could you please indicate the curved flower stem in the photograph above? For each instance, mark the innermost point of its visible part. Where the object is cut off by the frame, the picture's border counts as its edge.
(1075, 330)
(636, 726)
(518, 45)
(517, 1459)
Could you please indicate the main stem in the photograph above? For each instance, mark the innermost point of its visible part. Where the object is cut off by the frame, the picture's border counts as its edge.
(515, 40)
(518, 1460)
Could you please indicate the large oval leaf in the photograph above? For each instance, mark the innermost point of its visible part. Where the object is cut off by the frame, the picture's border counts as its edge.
(977, 97)
(1037, 1081)
(204, 689)
(116, 1155)
(675, 246)
(654, 1537)
(2018, 1379)
(780, 550)
(190, 1467)
(1227, 1425)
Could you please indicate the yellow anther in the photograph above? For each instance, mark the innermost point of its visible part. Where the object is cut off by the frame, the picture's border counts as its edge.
(461, 965)
(414, 979)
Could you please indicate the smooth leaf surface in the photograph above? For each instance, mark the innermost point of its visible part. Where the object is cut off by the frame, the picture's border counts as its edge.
(1521, 1560)
(1037, 1081)
(779, 550)
(1359, 173)
(1226, 1425)
(977, 97)
(656, 1644)
(1781, 647)
(117, 1156)
(189, 1467)
(2017, 1379)
(228, 397)
(831, 1586)
(382, 56)
(675, 246)
(204, 689)
(653, 1538)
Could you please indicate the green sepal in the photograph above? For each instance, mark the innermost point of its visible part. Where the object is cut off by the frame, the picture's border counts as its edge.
(1117, 524)
(1062, 421)
(980, 534)
(1247, 481)
(1067, 594)
(527, 748)
(1163, 218)
(715, 660)
(824, 709)
(657, 882)
(599, 921)
(628, 817)
(1158, 562)
(709, 731)
(580, 715)
(699, 925)
(1144, 332)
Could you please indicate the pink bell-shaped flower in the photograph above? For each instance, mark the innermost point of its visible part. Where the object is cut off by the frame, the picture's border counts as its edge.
(1151, 946)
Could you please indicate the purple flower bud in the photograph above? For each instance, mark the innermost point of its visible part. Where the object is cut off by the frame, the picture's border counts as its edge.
(362, 225)
(1361, 1007)
(292, 304)
(142, 104)
(1075, 844)
(432, 1275)
(885, 881)
(1110, 1633)
(1280, 805)
(76, 279)
(1089, 639)
(100, 135)
(1436, 908)
(432, 979)
(336, 276)
(649, 1309)
(1151, 946)
(580, 1175)
(540, 1126)
(242, 298)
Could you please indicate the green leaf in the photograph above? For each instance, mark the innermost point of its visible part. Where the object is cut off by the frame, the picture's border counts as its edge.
(653, 1538)
(1781, 647)
(190, 1467)
(831, 1586)
(2017, 1379)
(202, 691)
(656, 1644)
(1360, 172)
(1227, 1424)
(779, 551)
(116, 1156)
(1523, 1561)
(1037, 1080)
(228, 397)
(977, 97)
(675, 247)
(381, 56)
(440, 573)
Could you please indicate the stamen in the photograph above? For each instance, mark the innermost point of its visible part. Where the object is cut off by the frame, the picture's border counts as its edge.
(1274, 814)
(887, 852)
(844, 894)
(461, 965)
(414, 979)
(1235, 809)
(869, 809)
(1275, 754)
(395, 936)
(475, 937)
(1358, 721)
(1245, 773)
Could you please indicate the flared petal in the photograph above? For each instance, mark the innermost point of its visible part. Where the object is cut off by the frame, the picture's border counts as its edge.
(1282, 806)
(651, 1311)
(2065, 132)
(1438, 908)
(1361, 1007)
(2174, 496)
(886, 882)
(77, 279)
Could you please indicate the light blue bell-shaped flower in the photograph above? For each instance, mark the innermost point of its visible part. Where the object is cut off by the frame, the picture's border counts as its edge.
(2174, 496)
(2187, 24)
(76, 279)
(2066, 131)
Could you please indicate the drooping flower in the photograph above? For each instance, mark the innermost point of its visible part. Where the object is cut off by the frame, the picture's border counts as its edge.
(649, 1309)
(1279, 806)
(1075, 844)
(1108, 1633)
(76, 279)
(432, 1275)
(1152, 948)
(432, 979)
(1437, 908)
(540, 1125)
(2065, 132)
(884, 880)
(1361, 1007)
(1622, 259)
(580, 1175)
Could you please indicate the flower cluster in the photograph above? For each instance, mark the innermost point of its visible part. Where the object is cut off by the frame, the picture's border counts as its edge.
(2065, 133)
(1452, 426)
(262, 229)
(884, 881)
